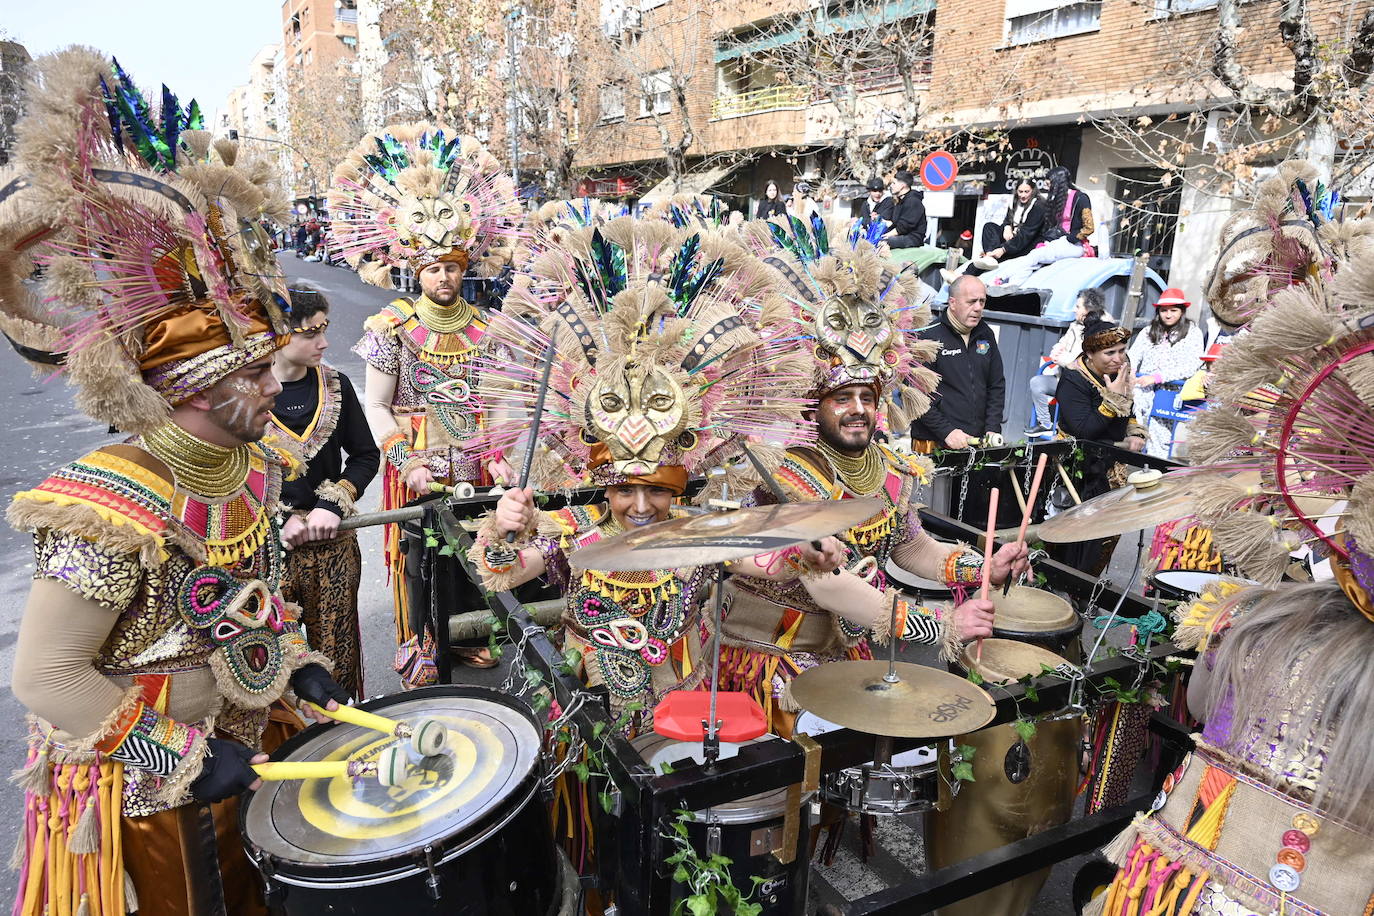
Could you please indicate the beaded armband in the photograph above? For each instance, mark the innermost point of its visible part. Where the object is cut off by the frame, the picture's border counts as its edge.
(148, 740)
(396, 447)
(963, 568)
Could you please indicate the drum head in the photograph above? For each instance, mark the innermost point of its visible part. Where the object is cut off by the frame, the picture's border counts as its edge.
(1005, 660)
(1031, 610)
(493, 746)
(1185, 583)
(657, 749)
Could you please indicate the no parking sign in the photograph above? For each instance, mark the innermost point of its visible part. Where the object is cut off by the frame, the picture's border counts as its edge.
(938, 171)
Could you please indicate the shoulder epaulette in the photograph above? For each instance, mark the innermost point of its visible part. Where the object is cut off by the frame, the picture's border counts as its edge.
(918, 466)
(119, 496)
(569, 522)
(806, 475)
(392, 316)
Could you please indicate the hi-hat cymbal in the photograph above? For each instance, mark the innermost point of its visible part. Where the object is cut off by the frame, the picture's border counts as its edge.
(716, 537)
(1149, 498)
(923, 703)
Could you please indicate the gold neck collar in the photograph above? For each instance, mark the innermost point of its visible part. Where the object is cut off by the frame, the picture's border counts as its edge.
(445, 319)
(862, 474)
(203, 468)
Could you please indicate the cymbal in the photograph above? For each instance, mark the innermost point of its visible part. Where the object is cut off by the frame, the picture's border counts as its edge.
(924, 703)
(1148, 499)
(716, 537)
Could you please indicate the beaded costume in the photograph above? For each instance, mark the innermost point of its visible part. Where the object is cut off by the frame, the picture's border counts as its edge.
(670, 347)
(160, 554)
(861, 313)
(408, 196)
(1270, 813)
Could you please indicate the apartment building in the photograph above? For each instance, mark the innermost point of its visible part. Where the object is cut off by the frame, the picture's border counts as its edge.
(14, 74)
(1119, 91)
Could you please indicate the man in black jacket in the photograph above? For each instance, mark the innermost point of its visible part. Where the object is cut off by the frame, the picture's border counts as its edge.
(969, 400)
(317, 413)
(908, 214)
(876, 204)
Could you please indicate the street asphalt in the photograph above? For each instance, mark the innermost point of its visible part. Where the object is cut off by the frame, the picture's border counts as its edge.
(46, 431)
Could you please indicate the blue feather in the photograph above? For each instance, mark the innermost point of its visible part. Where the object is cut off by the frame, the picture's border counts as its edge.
(822, 237)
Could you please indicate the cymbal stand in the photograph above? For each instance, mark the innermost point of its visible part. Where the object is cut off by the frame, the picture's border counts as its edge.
(882, 744)
(710, 747)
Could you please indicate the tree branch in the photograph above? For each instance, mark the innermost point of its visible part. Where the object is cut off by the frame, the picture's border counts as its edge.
(1296, 31)
(1361, 57)
(1226, 67)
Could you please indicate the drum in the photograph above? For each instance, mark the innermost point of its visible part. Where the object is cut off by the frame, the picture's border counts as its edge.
(744, 831)
(908, 785)
(1033, 615)
(467, 834)
(1019, 789)
(913, 584)
(1187, 584)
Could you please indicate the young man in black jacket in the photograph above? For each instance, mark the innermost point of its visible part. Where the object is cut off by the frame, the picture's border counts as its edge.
(908, 214)
(876, 204)
(318, 415)
(970, 398)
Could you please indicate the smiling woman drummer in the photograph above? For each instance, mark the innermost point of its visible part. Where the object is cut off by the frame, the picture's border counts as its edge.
(669, 348)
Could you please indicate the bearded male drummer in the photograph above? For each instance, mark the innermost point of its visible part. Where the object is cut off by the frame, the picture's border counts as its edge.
(862, 311)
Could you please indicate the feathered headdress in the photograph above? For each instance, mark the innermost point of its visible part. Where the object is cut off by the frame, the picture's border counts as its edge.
(1293, 400)
(413, 194)
(690, 210)
(1285, 238)
(862, 312)
(159, 279)
(671, 344)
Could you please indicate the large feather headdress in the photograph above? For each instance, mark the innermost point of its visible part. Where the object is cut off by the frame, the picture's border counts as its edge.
(671, 345)
(159, 278)
(862, 311)
(413, 194)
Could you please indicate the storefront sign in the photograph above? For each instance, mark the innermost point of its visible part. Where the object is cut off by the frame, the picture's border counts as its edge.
(621, 186)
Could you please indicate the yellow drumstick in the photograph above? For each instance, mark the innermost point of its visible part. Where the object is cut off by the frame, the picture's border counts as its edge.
(427, 736)
(390, 768)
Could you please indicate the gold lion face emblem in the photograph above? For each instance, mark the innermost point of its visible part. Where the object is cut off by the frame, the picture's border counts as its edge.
(637, 413)
(854, 331)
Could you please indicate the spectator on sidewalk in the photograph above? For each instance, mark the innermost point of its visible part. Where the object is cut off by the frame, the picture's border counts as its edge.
(908, 214)
(1166, 352)
(1068, 224)
(1089, 308)
(772, 204)
(877, 204)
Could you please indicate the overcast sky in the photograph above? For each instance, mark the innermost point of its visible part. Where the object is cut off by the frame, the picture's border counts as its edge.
(199, 49)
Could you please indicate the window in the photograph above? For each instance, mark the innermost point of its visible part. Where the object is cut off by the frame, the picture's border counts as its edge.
(1040, 20)
(612, 103)
(655, 93)
(350, 42)
(1182, 6)
(1146, 216)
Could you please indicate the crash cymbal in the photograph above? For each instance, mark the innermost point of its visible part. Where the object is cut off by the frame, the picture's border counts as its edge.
(924, 703)
(1148, 499)
(716, 537)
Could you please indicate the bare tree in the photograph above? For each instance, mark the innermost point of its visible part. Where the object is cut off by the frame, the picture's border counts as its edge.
(324, 121)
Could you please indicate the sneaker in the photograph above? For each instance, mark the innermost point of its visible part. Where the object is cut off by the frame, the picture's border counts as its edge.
(1039, 434)
(985, 262)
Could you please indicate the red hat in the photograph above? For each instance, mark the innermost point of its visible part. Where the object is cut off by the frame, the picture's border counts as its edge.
(966, 235)
(1214, 351)
(1172, 297)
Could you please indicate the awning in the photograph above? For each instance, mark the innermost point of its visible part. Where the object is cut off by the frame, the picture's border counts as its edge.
(876, 15)
(694, 183)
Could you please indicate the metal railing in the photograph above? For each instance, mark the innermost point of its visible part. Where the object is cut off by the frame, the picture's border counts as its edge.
(756, 101)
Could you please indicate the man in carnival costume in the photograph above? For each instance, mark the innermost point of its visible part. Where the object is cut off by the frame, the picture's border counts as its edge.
(155, 638)
(425, 198)
(861, 312)
(1273, 811)
(671, 347)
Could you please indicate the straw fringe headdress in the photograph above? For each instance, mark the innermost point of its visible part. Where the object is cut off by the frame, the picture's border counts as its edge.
(159, 279)
(413, 194)
(671, 344)
(863, 312)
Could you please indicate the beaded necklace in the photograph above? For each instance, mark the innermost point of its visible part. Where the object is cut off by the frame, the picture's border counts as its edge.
(861, 475)
(206, 469)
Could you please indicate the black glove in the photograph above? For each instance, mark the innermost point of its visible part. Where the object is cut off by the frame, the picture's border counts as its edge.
(225, 771)
(314, 683)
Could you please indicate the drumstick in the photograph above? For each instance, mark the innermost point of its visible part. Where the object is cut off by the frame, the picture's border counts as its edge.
(428, 736)
(550, 354)
(1029, 508)
(987, 559)
(390, 768)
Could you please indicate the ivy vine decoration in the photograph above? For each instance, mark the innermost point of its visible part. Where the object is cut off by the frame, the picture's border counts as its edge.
(708, 880)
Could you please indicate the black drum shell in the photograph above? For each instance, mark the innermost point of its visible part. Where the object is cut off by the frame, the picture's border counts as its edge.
(783, 892)
(504, 864)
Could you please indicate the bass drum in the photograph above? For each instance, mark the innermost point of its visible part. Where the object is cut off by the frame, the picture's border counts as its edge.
(746, 831)
(466, 834)
(1033, 615)
(1019, 789)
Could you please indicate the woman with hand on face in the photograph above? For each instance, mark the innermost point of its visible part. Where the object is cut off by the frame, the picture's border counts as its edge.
(1095, 403)
(1168, 351)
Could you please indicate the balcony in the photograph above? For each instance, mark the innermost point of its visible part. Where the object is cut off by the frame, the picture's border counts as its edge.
(756, 101)
(886, 76)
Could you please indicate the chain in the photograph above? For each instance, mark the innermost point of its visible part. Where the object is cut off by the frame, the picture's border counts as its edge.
(573, 753)
(963, 485)
(517, 668)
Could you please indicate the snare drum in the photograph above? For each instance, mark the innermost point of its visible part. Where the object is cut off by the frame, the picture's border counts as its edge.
(1187, 584)
(745, 831)
(908, 785)
(467, 834)
(1019, 788)
(1033, 615)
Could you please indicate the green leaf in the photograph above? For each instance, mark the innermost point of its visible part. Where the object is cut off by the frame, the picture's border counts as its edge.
(665, 768)
(719, 861)
(963, 772)
(1025, 728)
(701, 905)
(967, 751)
(680, 875)
(680, 829)
(679, 856)
(571, 659)
(581, 771)
(541, 703)
(748, 909)
(598, 728)
(607, 800)
(533, 678)
(1032, 693)
(730, 894)
(431, 541)
(446, 550)
(975, 678)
